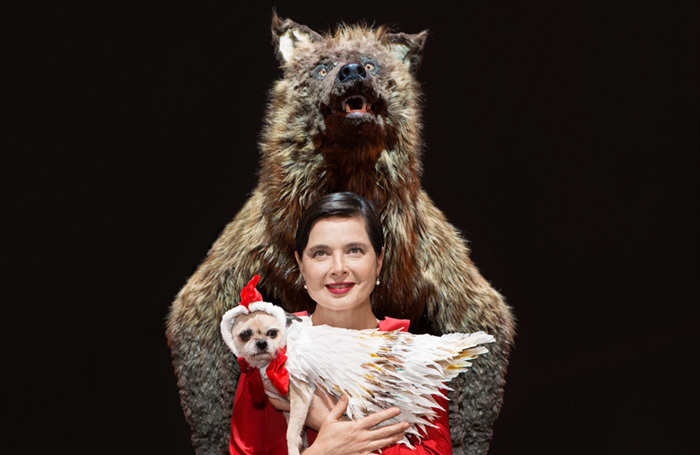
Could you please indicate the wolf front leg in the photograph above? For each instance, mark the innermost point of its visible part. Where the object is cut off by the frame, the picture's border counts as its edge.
(300, 396)
(475, 401)
(207, 375)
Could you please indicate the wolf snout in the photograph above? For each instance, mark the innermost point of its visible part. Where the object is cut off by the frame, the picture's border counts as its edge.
(351, 72)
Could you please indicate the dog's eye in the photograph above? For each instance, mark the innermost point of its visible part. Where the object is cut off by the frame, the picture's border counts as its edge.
(369, 67)
(245, 335)
(272, 333)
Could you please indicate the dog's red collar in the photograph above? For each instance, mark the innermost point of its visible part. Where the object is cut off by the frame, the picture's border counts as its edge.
(276, 371)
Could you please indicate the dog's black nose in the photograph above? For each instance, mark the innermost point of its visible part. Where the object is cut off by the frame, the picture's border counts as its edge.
(351, 72)
(261, 344)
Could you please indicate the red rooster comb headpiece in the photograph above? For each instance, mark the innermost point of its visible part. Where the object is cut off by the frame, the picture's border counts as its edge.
(249, 294)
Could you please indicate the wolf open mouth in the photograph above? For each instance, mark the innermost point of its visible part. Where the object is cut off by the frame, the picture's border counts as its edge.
(356, 105)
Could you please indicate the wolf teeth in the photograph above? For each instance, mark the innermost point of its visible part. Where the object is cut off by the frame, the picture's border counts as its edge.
(348, 109)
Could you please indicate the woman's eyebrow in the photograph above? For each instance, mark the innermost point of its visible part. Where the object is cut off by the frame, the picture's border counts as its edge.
(322, 246)
(318, 247)
(356, 244)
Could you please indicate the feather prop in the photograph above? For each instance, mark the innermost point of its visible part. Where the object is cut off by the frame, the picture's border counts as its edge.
(378, 370)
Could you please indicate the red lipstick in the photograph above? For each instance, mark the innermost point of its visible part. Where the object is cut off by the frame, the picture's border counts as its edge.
(339, 288)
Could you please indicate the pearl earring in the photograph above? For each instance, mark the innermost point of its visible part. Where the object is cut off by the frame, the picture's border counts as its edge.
(378, 281)
(305, 285)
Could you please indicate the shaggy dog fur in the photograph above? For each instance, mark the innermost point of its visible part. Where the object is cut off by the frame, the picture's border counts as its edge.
(313, 144)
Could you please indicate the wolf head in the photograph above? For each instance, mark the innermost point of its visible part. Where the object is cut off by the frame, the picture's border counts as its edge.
(352, 92)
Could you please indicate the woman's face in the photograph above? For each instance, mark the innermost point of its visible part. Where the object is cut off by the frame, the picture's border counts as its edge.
(339, 264)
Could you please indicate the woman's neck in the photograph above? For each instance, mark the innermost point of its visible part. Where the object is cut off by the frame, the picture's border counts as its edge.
(357, 319)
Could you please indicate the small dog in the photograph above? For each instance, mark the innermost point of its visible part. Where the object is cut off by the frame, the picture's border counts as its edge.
(378, 369)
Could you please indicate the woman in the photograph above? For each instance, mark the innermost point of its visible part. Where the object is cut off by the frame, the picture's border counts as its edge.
(340, 251)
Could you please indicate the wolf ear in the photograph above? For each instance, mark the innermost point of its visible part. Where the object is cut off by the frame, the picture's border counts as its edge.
(287, 35)
(408, 48)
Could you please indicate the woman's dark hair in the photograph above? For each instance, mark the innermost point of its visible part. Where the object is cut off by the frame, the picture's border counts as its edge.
(344, 205)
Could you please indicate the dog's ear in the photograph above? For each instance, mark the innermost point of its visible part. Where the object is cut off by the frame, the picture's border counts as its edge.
(408, 48)
(291, 317)
(287, 36)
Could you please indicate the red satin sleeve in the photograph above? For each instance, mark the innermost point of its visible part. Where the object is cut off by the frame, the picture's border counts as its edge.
(256, 428)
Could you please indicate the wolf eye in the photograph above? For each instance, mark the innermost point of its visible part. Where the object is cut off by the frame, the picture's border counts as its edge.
(245, 335)
(321, 71)
(272, 333)
(369, 65)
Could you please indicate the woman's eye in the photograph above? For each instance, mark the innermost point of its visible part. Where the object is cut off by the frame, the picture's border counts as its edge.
(318, 253)
(272, 333)
(245, 335)
(356, 250)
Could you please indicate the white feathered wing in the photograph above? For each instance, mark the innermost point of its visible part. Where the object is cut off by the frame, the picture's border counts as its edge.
(378, 370)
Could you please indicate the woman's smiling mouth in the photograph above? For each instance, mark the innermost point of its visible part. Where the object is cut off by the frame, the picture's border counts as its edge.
(339, 288)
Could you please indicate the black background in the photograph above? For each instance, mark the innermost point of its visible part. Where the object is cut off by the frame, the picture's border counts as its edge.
(561, 139)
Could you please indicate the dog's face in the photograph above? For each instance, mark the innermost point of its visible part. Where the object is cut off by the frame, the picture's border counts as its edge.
(258, 337)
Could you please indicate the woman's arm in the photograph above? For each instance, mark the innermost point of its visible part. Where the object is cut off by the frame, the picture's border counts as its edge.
(256, 427)
(435, 442)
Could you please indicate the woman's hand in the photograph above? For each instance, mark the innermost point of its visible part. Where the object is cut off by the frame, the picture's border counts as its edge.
(348, 437)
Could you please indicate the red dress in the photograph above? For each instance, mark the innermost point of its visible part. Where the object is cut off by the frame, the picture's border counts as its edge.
(260, 429)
